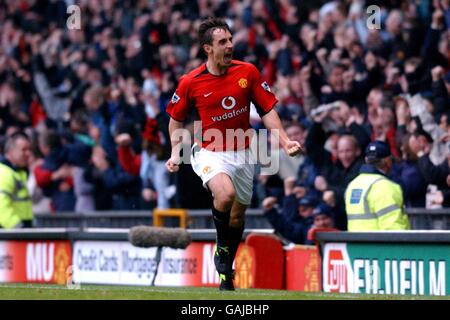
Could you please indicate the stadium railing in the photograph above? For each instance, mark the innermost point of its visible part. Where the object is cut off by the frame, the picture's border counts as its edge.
(429, 219)
(420, 218)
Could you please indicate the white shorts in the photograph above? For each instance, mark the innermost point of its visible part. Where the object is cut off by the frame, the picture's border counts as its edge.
(235, 164)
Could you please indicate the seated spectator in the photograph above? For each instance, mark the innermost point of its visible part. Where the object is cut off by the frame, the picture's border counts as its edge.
(295, 218)
(323, 217)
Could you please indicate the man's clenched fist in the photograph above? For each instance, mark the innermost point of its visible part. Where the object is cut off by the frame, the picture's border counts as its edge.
(173, 164)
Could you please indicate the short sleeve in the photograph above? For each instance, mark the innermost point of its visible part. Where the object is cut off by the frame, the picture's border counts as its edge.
(261, 94)
(179, 104)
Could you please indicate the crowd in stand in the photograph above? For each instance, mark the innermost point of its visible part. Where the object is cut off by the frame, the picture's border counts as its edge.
(93, 100)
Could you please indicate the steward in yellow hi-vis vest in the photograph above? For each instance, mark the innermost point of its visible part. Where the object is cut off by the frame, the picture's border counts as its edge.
(15, 202)
(372, 201)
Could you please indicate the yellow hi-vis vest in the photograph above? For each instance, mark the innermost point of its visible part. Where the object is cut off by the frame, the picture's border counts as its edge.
(373, 202)
(15, 202)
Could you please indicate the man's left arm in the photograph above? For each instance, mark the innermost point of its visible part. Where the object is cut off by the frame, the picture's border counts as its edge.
(389, 207)
(265, 101)
(272, 122)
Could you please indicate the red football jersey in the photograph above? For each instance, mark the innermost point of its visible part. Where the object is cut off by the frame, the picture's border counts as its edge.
(222, 102)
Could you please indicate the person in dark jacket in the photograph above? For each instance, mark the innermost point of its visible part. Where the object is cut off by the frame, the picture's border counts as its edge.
(61, 153)
(323, 217)
(294, 220)
(307, 173)
(408, 175)
(114, 188)
(101, 118)
(54, 175)
(441, 98)
(298, 217)
(150, 164)
(438, 175)
(334, 174)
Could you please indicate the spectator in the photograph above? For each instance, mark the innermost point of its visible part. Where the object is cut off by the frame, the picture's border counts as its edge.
(151, 165)
(437, 175)
(40, 202)
(289, 165)
(407, 173)
(335, 171)
(295, 218)
(54, 175)
(322, 217)
(114, 189)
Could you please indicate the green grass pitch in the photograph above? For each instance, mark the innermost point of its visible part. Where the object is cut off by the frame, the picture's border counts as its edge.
(97, 292)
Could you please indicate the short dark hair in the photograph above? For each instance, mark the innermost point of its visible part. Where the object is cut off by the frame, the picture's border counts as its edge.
(207, 28)
(295, 124)
(50, 139)
(374, 162)
(378, 163)
(11, 140)
(387, 100)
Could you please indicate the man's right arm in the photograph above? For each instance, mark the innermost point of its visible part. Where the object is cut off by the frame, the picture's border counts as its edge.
(173, 164)
(178, 108)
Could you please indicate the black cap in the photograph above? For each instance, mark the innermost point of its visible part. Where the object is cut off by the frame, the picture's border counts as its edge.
(308, 201)
(421, 132)
(378, 150)
(323, 209)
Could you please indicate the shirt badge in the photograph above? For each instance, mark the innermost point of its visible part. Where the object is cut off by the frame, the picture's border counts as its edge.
(175, 98)
(243, 83)
(266, 86)
(355, 196)
(206, 169)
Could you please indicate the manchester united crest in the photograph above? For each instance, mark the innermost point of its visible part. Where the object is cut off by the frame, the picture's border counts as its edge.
(206, 169)
(62, 262)
(243, 83)
(245, 267)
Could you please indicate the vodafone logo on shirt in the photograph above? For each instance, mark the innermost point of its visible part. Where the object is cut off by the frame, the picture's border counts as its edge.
(228, 103)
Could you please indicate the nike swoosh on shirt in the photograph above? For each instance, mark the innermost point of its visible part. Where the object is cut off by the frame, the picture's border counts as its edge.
(207, 94)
